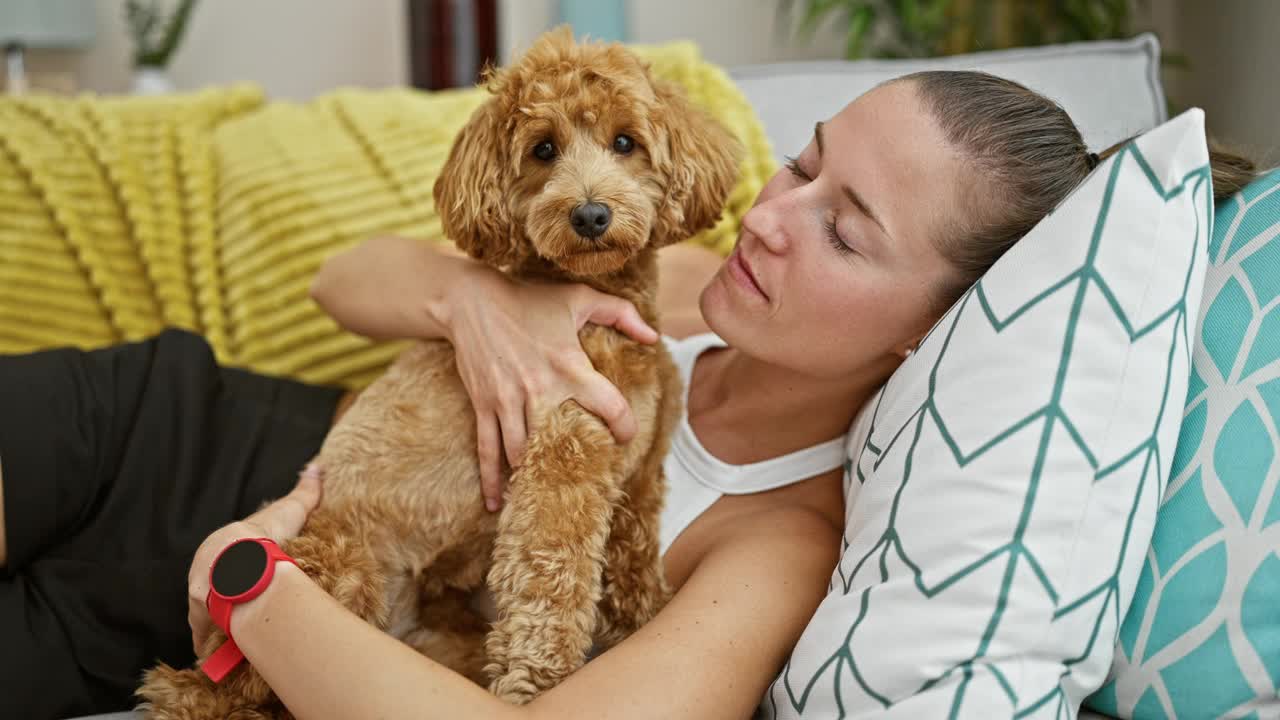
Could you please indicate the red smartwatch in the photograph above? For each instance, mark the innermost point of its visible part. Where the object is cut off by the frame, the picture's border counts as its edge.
(240, 573)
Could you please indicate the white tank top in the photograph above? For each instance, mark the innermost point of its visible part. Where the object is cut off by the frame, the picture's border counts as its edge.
(696, 478)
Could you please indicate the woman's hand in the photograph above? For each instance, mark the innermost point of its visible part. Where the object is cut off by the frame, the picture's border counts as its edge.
(519, 356)
(281, 520)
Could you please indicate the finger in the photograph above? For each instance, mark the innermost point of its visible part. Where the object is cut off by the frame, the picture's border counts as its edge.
(201, 625)
(199, 638)
(599, 396)
(310, 488)
(514, 435)
(488, 443)
(285, 517)
(619, 314)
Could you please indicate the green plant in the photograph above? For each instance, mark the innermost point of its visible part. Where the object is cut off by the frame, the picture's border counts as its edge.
(926, 28)
(156, 33)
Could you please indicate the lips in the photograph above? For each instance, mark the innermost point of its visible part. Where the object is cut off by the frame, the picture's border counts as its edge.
(742, 273)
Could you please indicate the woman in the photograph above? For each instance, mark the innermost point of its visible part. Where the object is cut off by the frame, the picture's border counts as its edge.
(850, 254)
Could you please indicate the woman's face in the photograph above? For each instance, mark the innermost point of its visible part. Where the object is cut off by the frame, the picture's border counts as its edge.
(835, 268)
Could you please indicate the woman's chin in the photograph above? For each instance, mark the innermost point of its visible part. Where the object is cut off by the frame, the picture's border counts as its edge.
(723, 316)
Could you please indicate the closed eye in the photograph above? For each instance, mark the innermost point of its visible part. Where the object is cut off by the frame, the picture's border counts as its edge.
(794, 166)
(833, 237)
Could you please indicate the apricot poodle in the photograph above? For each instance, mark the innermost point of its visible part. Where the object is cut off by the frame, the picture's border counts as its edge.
(578, 168)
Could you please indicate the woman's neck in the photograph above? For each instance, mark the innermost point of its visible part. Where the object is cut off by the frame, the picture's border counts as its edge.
(744, 410)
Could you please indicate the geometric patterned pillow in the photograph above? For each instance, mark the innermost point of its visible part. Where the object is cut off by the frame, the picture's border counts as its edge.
(1003, 487)
(1202, 638)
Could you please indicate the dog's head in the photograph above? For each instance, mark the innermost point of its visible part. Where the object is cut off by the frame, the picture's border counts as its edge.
(581, 158)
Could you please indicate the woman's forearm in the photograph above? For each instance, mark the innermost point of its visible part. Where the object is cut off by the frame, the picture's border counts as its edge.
(393, 287)
(325, 662)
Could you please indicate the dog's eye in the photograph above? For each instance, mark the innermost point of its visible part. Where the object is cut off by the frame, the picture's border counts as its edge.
(623, 144)
(545, 151)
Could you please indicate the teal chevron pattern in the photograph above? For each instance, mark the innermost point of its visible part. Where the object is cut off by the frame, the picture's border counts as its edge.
(1006, 485)
(1202, 638)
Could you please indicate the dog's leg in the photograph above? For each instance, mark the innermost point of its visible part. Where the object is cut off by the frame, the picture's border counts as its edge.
(189, 694)
(548, 555)
(452, 634)
(634, 588)
(460, 651)
(337, 557)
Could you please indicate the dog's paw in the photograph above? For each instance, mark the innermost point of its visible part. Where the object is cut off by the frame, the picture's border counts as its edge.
(171, 694)
(515, 686)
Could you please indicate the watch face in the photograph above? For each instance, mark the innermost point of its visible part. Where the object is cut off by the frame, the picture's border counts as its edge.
(239, 568)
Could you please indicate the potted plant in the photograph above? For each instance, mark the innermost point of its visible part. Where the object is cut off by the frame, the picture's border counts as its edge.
(156, 27)
(927, 28)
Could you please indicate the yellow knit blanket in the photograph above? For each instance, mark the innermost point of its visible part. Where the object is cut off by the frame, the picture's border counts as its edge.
(211, 211)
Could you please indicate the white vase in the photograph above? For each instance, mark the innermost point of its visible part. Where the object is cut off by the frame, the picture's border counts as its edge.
(151, 81)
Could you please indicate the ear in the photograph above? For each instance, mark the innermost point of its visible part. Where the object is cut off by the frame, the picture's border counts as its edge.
(701, 165)
(907, 349)
(470, 191)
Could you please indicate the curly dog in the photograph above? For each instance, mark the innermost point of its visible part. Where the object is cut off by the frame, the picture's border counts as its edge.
(578, 168)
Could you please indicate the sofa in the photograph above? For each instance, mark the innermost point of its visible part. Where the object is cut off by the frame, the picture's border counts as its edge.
(1111, 89)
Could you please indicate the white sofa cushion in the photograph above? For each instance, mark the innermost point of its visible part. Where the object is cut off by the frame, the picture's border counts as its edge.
(1111, 89)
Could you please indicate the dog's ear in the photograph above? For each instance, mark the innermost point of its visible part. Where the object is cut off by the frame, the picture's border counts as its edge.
(470, 191)
(700, 164)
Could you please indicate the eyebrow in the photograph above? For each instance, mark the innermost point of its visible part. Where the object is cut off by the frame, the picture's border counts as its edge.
(849, 192)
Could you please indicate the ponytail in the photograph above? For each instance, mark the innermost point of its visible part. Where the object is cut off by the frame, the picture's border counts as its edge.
(1230, 171)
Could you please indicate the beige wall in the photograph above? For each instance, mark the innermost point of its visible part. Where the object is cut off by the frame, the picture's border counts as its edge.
(298, 48)
(293, 48)
(729, 32)
(1233, 47)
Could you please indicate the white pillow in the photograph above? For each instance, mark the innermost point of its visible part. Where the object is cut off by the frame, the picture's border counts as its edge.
(1003, 486)
(1111, 89)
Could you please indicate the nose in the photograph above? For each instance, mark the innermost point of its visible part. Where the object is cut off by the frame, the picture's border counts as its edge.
(766, 222)
(591, 219)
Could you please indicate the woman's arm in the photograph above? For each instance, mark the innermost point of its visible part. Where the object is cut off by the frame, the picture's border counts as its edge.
(394, 287)
(710, 653)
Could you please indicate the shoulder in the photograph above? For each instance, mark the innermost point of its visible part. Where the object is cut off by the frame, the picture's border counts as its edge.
(781, 522)
(788, 528)
(814, 506)
(790, 542)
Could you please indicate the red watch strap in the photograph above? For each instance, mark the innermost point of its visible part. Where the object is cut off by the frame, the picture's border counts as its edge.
(222, 661)
(228, 655)
(219, 611)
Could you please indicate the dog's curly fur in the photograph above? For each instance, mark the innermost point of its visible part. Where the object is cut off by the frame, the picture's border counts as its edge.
(402, 537)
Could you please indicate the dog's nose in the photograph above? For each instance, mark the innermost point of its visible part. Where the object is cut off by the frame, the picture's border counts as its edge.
(591, 220)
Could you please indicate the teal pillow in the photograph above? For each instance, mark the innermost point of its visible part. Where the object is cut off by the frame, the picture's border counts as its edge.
(1202, 638)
